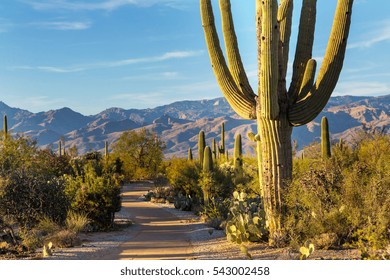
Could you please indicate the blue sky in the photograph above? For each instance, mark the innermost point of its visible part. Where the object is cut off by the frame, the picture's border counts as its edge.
(90, 55)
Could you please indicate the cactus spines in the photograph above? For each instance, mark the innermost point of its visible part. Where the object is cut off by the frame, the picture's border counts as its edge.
(277, 109)
(238, 152)
(5, 127)
(201, 146)
(325, 142)
(207, 160)
(190, 154)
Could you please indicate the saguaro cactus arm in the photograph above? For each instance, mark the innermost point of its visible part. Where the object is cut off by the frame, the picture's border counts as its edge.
(232, 52)
(268, 75)
(308, 108)
(242, 101)
(285, 19)
(304, 47)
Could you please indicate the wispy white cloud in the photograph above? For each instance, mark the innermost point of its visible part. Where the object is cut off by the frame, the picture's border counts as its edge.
(63, 25)
(5, 25)
(106, 5)
(164, 95)
(35, 103)
(362, 88)
(379, 32)
(111, 64)
(162, 76)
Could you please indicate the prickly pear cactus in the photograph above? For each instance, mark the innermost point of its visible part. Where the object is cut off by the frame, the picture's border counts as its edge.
(246, 220)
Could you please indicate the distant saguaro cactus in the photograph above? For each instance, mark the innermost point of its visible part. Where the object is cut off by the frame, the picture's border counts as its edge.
(106, 153)
(238, 152)
(60, 148)
(325, 141)
(207, 160)
(214, 149)
(221, 148)
(201, 146)
(190, 154)
(5, 127)
(276, 108)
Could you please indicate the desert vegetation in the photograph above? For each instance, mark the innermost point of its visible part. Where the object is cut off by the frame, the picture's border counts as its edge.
(49, 197)
(330, 195)
(335, 201)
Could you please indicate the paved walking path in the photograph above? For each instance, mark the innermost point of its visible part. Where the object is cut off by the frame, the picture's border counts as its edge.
(156, 233)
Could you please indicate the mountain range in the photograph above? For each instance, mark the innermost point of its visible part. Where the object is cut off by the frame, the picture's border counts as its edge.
(179, 123)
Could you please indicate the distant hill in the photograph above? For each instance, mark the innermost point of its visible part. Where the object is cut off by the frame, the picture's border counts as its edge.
(179, 123)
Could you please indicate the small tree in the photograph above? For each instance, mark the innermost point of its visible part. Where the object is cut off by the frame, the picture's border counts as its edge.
(141, 153)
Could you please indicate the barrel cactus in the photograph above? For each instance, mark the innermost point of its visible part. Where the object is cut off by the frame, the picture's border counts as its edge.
(276, 108)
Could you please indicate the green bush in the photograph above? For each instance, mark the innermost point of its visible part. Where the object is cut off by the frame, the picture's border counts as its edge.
(96, 196)
(183, 175)
(28, 197)
(346, 196)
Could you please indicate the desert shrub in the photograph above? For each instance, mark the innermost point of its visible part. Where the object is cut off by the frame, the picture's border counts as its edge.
(315, 204)
(247, 180)
(367, 195)
(96, 196)
(47, 226)
(183, 175)
(31, 239)
(346, 196)
(15, 154)
(76, 222)
(215, 212)
(28, 197)
(64, 239)
(49, 163)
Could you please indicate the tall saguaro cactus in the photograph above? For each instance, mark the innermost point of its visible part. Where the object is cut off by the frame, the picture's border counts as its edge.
(325, 141)
(201, 146)
(277, 108)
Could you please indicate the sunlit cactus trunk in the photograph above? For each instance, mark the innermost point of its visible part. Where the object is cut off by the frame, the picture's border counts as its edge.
(277, 108)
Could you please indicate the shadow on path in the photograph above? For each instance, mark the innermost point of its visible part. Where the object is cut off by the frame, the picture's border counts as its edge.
(156, 233)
